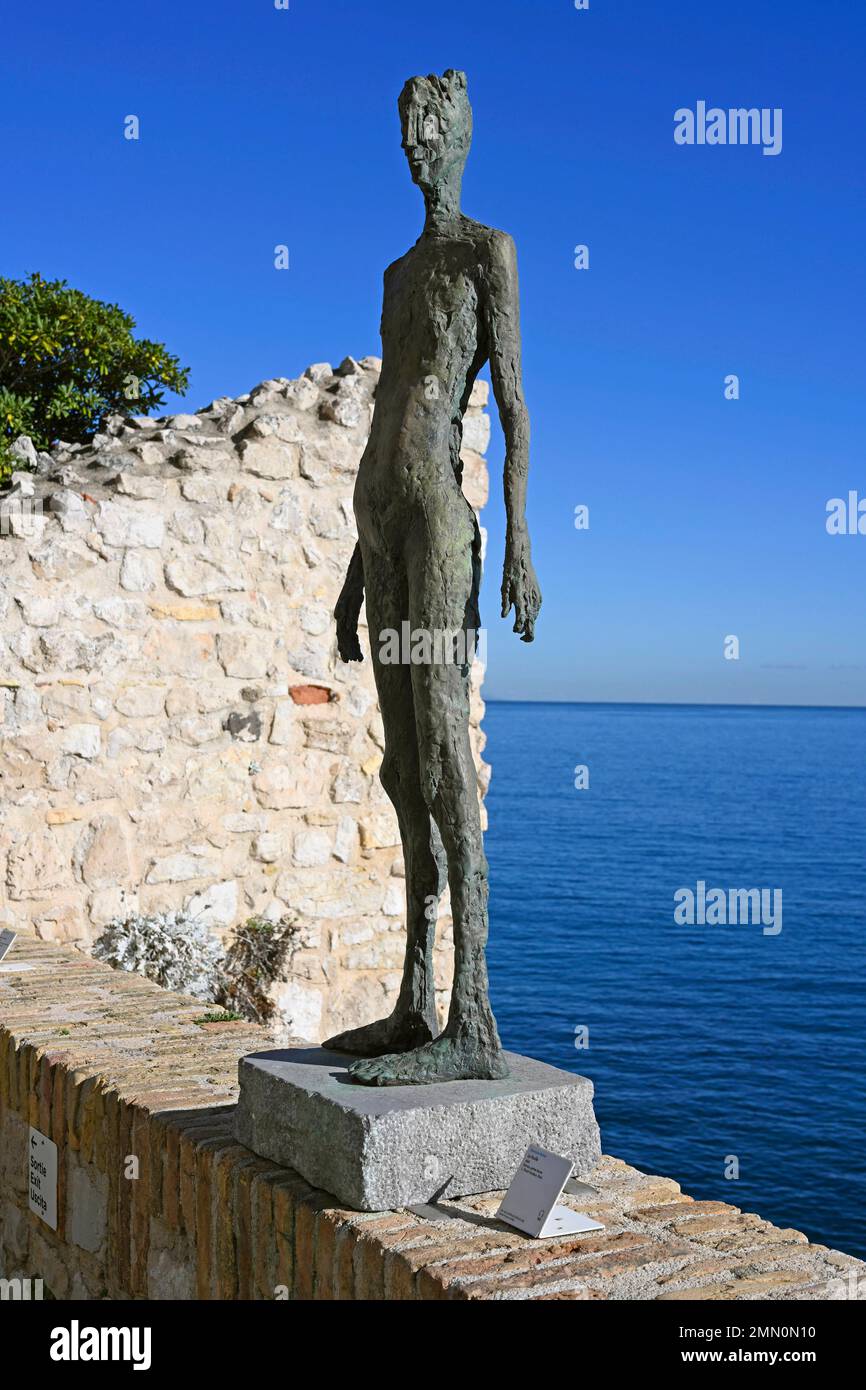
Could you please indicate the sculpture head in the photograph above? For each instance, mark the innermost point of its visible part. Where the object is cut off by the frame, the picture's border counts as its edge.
(436, 121)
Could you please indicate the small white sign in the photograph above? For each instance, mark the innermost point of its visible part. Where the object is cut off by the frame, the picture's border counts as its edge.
(42, 1168)
(530, 1204)
(6, 939)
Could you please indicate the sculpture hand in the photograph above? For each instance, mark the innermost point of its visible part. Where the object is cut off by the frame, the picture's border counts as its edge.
(520, 585)
(346, 614)
(347, 609)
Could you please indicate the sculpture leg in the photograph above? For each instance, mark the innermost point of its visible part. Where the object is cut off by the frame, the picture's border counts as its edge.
(413, 1020)
(442, 574)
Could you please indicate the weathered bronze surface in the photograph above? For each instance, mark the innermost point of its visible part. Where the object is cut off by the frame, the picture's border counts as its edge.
(450, 305)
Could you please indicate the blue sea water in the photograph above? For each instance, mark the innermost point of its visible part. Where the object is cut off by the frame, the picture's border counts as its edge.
(705, 1042)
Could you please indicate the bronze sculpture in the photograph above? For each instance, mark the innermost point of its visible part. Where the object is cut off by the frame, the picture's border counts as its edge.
(450, 305)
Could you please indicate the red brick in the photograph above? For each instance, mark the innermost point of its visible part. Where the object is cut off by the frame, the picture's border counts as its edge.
(310, 694)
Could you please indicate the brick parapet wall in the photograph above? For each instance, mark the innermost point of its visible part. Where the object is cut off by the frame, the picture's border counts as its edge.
(112, 1068)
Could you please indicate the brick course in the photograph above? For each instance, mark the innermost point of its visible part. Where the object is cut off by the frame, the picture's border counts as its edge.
(131, 1075)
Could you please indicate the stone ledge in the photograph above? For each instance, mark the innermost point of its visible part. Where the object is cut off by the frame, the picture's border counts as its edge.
(112, 1068)
(381, 1147)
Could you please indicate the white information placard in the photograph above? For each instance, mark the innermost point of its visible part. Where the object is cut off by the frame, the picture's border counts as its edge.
(531, 1202)
(42, 1171)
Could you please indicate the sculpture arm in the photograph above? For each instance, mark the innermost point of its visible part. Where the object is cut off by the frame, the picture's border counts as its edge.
(520, 586)
(348, 607)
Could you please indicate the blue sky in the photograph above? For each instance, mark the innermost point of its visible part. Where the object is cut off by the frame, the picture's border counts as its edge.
(262, 126)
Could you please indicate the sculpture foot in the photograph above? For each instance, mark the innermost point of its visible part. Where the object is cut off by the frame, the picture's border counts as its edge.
(446, 1059)
(397, 1033)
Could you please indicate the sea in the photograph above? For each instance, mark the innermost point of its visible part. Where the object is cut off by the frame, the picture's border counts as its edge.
(730, 1056)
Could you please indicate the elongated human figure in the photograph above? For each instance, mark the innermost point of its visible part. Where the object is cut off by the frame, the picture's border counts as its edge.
(450, 305)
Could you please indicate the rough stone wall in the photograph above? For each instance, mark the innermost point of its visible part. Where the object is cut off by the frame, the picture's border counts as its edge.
(176, 729)
(117, 1069)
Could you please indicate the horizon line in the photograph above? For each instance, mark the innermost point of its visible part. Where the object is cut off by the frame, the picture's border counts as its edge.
(663, 704)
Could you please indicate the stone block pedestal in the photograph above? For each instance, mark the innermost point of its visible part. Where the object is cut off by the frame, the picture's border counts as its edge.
(381, 1148)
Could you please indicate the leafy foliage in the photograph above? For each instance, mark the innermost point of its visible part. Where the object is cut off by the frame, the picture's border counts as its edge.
(180, 953)
(67, 361)
(170, 948)
(255, 959)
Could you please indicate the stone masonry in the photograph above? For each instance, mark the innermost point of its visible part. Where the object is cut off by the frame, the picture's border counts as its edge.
(176, 729)
(156, 1199)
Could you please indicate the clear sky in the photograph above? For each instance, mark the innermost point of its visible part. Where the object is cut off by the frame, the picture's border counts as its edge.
(261, 126)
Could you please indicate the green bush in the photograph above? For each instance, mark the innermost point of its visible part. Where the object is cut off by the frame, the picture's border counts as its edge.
(67, 361)
(255, 961)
